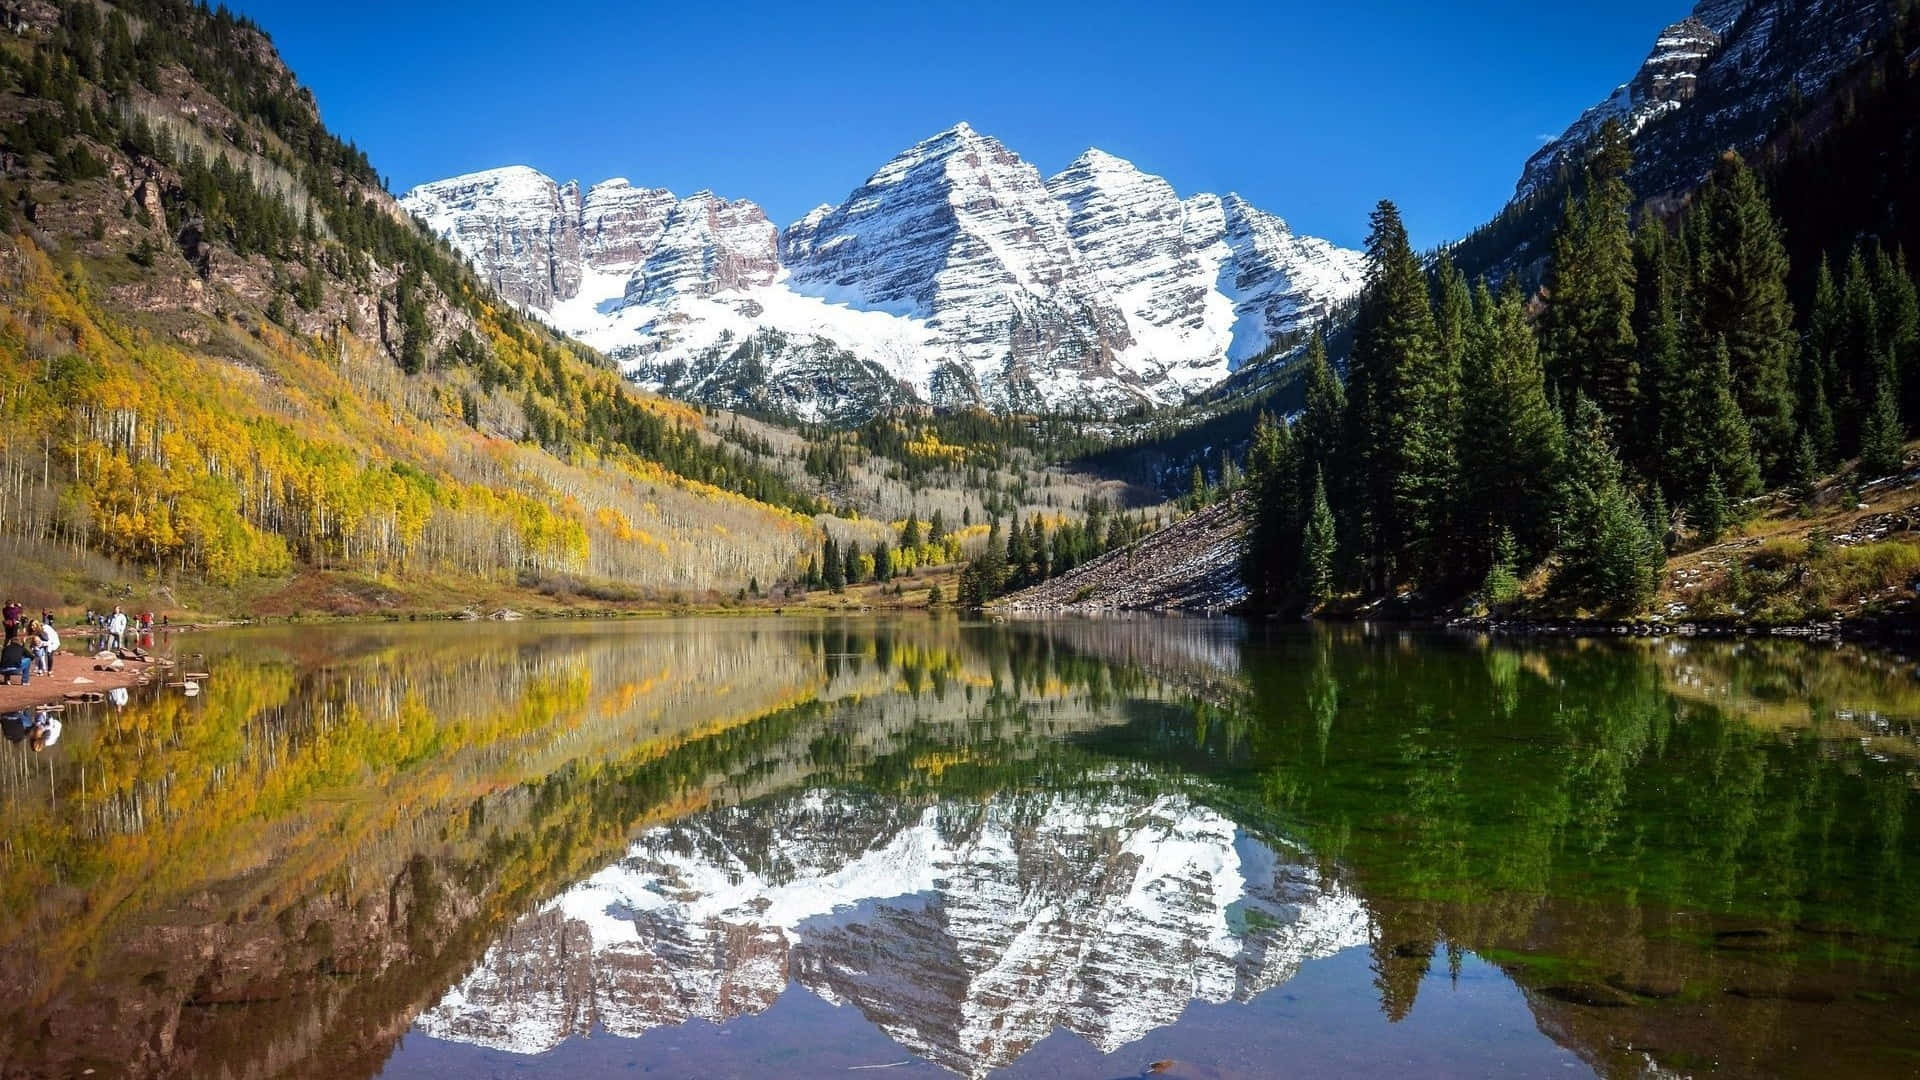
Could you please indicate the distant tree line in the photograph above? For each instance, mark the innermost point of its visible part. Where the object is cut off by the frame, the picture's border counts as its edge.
(1020, 556)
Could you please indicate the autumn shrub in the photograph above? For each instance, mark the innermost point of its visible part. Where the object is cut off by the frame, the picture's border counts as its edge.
(1860, 571)
(1792, 580)
(1779, 552)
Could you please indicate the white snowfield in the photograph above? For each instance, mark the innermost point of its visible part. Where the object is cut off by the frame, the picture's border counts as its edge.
(1099, 287)
(966, 932)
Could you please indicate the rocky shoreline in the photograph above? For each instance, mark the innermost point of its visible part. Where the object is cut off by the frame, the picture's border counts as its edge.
(1877, 630)
(82, 679)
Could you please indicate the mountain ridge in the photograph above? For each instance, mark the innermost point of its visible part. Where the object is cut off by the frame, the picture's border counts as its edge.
(957, 274)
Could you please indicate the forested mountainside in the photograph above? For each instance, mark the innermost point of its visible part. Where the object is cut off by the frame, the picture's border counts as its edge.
(1721, 79)
(1700, 410)
(228, 353)
(1783, 82)
(1557, 446)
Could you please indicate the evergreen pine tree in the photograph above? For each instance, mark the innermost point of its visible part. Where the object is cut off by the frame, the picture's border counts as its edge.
(1502, 584)
(1706, 435)
(1806, 471)
(992, 565)
(1453, 314)
(1590, 286)
(1197, 489)
(1318, 547)
(1017, 554)
(1324, 414)
(1816, 418)
(1662, 288)
(831, 567)
(1742, 297)
(1434, 485)
(967, 591)
(1712, 513)
(1858, 356)
(415, 334)
(1609, 562)
(1880, 441)
(1270, 565)
(1659, 520)
(1389, 435)
(1511, 438)
(1814, 381)
(1899, 311)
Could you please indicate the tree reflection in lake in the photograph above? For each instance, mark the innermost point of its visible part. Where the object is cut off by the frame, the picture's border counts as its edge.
(1681, 853)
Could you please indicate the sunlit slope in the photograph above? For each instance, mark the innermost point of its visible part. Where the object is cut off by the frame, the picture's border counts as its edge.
(231, 359)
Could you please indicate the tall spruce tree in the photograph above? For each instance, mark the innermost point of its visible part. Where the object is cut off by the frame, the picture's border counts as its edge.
(1317, 435)
(1318, 544)
(1806, 472)
(1742, 297)
(833, 568)
(1858, 357)
(1510, 448)
(1713, 514)
(1705, 436)
(1590, 286)
(1270, 566)
(1608, 559)
(1899, 311)
(1453, 314)
(1658, 323)
(1391, 436)
(1017, 555)
(991, 567)
(1814, 381)
(1880, 436)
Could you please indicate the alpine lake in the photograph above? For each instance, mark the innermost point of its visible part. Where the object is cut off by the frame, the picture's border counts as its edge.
(925, 847)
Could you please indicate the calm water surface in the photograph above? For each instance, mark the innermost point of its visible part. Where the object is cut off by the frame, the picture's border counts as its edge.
(799, 848)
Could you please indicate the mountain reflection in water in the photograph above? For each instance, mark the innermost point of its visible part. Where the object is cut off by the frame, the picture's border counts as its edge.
(1063, 848)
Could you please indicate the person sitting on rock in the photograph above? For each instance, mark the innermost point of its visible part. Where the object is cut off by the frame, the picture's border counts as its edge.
(15, 660)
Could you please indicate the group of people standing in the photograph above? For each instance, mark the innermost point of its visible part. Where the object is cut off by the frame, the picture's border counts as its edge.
(27, 644)
(115, 626)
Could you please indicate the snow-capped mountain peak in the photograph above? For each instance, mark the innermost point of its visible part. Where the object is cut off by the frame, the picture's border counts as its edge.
(955, 274)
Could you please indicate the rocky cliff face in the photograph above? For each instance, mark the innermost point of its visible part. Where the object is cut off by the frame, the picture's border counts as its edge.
(1205, 282)
(960, 232)
(953, 927)
(1716, 81)
(709, 245)
(956, 274)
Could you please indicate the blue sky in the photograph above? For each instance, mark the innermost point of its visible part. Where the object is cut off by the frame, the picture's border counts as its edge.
(1311, 110)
